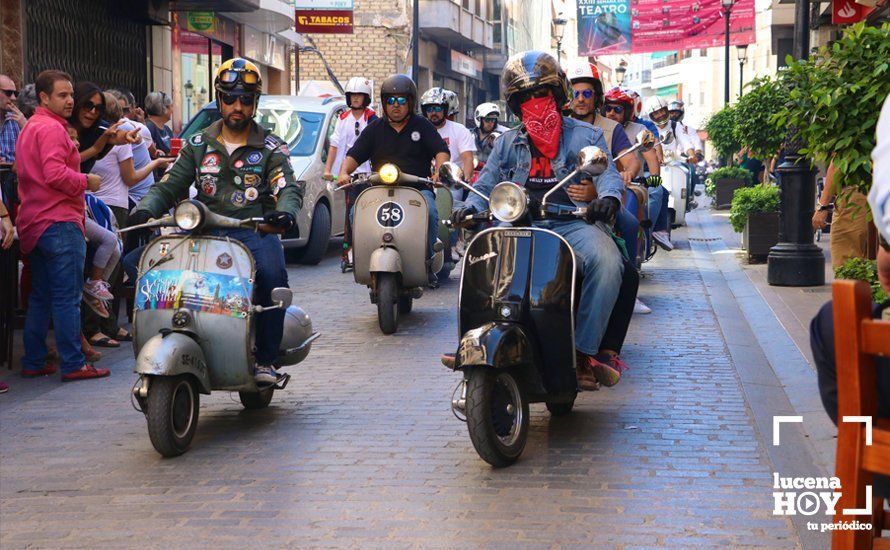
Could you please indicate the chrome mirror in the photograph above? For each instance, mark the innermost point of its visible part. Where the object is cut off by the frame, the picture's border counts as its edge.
(592, 161)
(451, 174)
(645, 141)
(667, 138)
(283, 296)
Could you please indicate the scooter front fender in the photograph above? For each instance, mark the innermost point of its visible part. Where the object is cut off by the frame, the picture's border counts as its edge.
(497, 345)
(172, 354)
(385, 259)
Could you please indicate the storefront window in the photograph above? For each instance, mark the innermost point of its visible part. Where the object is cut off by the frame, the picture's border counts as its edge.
(201, 58)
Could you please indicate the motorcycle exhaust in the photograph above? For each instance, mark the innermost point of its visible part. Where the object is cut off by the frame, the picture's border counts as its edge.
(459, 405)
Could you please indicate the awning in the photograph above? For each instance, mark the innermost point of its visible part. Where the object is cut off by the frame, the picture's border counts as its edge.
(662, 55)
(667, 91)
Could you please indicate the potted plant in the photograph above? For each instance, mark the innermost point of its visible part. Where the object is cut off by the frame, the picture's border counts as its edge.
(755, 214)
(862, 269)
(764, 98)
(723, 182)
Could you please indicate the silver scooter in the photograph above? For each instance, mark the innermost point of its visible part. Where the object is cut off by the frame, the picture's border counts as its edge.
(193, 327)
(390, 243)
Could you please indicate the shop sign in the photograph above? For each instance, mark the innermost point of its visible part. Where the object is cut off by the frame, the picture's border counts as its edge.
(324, 4)
(465, 64)
(201, 21)
(847, 12)
(324, 21)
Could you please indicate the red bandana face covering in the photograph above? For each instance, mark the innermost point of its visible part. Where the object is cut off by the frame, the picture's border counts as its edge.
(543, 123)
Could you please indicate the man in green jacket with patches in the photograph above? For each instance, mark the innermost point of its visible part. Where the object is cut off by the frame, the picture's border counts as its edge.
(242, 171)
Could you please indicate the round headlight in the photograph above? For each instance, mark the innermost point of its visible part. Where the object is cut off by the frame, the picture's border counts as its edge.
(188, 216)
(389, 173)
(508, 202)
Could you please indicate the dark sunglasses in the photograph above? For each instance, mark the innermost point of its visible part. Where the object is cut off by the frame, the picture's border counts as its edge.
(400, 99)
(492, 119)
(530, 94)
(90, 106)
(10, 93)
(617, 108)
(433, 108)
(246, 99)
(586, 93)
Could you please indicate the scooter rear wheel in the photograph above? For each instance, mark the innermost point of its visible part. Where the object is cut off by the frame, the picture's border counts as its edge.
(497, 415)
(172, 413)
(406, 303)
(561, 409)
(256, 400)
(388, 302)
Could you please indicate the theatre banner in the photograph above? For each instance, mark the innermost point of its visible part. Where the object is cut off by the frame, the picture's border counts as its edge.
(640, 26)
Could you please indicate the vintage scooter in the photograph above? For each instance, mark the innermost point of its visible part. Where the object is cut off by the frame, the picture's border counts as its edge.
(676, 177)
(516, 317)
(193, 327)
(390, 243)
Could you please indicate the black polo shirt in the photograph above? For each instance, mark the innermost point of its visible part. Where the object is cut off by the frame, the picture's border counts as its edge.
(412, 150)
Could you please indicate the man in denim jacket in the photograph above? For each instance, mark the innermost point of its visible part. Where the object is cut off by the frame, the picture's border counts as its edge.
(539, 154)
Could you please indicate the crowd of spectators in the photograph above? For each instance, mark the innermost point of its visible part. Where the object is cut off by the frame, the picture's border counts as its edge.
(75, 160)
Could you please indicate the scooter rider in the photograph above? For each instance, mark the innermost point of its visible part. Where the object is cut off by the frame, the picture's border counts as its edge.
(241, 171)
(485, 132)
(657, 111)
(402, 138)
(695, 150)
(537, 155)
(437, 105)
(619, 105)
(349, 126)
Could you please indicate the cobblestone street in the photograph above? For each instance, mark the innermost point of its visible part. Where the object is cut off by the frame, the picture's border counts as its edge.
(362, 450)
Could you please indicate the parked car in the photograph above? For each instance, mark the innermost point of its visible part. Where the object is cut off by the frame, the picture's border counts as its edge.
(306, 124)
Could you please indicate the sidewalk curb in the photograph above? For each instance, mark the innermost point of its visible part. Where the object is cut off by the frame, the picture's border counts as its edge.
(743, 315)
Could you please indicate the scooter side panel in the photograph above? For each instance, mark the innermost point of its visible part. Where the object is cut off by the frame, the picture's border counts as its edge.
(213, 279)
(401, 211)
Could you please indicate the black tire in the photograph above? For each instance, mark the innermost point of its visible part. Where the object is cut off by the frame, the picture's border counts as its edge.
(406, 303)
(256, 400)
(388, 302)
(319, 237)
(497, 415)
(172, 413)
(561, 409)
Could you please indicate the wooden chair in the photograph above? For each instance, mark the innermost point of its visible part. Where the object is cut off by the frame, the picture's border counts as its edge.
(858, 339)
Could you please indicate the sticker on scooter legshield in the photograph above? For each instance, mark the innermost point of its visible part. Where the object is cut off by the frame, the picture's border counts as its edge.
(390, 214)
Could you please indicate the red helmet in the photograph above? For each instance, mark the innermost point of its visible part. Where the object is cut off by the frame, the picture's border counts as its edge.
(619, 95)
(638, 102)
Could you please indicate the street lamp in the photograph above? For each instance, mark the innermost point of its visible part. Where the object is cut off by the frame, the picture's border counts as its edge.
(621, 72)
(559, 29)
(742, 54)
(189, 94)
(727, 8)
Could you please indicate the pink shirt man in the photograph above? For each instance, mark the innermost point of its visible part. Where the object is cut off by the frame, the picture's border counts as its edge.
(51, 186)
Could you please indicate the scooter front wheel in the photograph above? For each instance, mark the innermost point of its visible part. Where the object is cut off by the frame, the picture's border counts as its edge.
(256, 400)
(497, 415)
(172, 413)
(388, 302)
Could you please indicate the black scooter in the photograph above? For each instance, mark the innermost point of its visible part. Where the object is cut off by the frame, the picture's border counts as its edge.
(516, 316)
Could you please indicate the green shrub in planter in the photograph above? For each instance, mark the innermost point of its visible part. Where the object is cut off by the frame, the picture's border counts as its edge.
(861, 269)
(722, 133)
(749, 200)
(727, 173)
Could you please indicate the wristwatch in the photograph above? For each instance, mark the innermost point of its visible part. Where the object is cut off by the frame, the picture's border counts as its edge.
(821, 207)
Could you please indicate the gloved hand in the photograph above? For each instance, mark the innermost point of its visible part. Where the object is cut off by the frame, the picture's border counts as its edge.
(284, 220)
(602, 210)
(653, 181)
(457, 217)
(139, 217)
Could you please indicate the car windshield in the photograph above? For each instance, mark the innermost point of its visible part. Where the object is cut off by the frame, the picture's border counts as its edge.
(299, 129)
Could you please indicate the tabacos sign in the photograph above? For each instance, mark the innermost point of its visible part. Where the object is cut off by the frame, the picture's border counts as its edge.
(324, 21)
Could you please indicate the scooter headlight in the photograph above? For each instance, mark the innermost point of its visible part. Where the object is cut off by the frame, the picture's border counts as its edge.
(188, 215)
(508, 202)
(389, 174)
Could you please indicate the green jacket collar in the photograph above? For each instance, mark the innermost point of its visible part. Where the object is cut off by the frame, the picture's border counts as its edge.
(256, 138)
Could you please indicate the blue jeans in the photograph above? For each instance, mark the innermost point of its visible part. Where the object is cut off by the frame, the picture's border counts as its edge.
(629, 226)
(268, 254)
(601, 266)
(432, 221)
(57, 285)
(658, 207)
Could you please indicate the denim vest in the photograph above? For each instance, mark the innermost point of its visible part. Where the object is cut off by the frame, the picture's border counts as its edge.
(510, 160)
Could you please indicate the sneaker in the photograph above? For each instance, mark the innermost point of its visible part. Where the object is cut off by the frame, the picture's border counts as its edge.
(47, 369)
(85, 372)
(265, 375)
(661, 239)
(98, 289)
(584, 372)
(640, 307)
(96, 305)
(4, 387)
(433, 280)
(607, 369)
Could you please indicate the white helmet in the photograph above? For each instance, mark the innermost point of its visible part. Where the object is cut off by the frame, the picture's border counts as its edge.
(655, 104)
(484, 110)
(435, 96)
(677, 106)
(453, 102)
(358, 85)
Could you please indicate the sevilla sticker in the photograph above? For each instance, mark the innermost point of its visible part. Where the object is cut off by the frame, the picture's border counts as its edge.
(210, 163)
(251, 179)
(224, 261)
(255, 157)
(251, 193)
(238, 198)
(208, 185)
